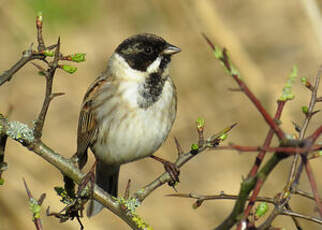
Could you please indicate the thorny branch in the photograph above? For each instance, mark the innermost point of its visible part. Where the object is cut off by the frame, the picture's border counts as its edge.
(257, 178)
(31, 138)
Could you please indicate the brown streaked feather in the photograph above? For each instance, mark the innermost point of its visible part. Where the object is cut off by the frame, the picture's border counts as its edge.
(87, 128)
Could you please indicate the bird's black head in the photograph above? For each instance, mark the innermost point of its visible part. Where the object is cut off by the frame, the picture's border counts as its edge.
(141, 50)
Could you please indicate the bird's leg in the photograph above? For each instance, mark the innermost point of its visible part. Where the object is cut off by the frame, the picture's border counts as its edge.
(171, 168)
(89, 177)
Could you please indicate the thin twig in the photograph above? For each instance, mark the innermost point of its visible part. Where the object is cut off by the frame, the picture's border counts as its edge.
(182, 159)
(49, 74)
(294, 178)
(304, 194)
(27, 56)
(35, 219)
(221, 196)
(285, 150)
(267, 141)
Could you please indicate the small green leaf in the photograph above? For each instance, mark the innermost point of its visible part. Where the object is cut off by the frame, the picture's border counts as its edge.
(49, 53)
(78, 57)
(40, 16)
(223, 137)
(200, 122)
(1, 181)
(69, 69)
(194, 147)
(261, 210)
(218, 52)
(303, 80)
(287, 93)
(34, 207)
(41, 73)
(305, 109)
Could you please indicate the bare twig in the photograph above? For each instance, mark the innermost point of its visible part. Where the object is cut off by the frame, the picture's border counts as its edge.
(303, 193)
(267, 141)
(285, 150)
(27, 56)
(312, 181)
(221, 196)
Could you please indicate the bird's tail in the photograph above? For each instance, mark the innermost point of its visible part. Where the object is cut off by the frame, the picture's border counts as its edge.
(107, 178)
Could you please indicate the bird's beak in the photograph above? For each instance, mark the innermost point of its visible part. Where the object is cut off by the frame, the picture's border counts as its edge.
(171, 49)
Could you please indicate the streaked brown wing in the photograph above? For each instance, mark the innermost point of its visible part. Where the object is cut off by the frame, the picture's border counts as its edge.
(87, 128)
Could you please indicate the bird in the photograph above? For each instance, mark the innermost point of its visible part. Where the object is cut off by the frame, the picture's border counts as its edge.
(128, 111)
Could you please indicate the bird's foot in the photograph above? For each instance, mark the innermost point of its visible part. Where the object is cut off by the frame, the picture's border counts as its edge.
(88, 178)
(170, 168)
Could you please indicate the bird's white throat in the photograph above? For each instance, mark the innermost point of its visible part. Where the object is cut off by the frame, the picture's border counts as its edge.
(121, 69)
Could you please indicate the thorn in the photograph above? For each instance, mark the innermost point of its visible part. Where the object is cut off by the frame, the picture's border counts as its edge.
(127, 190)
(179, 147)
(9, 111)
(41, 198)
(27, 189)
(315, 112)
(51, 47)
(57, 52)
(233, 125)
(40, 68)
(208, 41)
(52, 96)
(30, 47)
(297, 127)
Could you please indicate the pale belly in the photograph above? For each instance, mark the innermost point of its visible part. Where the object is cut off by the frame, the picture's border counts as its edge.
(129, 135)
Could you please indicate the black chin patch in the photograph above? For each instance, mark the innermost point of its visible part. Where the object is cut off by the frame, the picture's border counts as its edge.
(151, 90)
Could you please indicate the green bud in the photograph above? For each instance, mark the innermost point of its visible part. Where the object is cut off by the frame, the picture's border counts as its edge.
(218, 52)
(49, 53)
(41, 73)
(261, 210)
(305, 109)
(34, 207)
(69, 69)
(1, 181)
(200, 122)
(78, 57)
(293, 73)
(223, 137)
(194, 147)
(40, 16)
(303, 80)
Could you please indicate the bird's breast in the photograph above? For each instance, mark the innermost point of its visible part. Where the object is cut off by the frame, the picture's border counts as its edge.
(131, 132)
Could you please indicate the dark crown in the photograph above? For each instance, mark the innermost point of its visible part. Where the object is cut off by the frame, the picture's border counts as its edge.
(142, 49)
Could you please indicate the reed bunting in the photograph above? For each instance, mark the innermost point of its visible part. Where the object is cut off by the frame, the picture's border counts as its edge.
(128, 111)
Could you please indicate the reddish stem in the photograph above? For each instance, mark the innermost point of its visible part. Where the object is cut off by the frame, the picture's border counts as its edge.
(225, 60)
(286, 150)
(266, 144)
(312, 181)
(316, 134)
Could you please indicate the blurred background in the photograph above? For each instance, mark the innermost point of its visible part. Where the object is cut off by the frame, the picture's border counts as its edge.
(264, 39)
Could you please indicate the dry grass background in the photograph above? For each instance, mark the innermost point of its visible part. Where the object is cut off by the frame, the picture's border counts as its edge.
(265, 40)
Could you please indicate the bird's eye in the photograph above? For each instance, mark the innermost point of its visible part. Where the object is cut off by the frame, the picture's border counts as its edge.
(148, 50)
